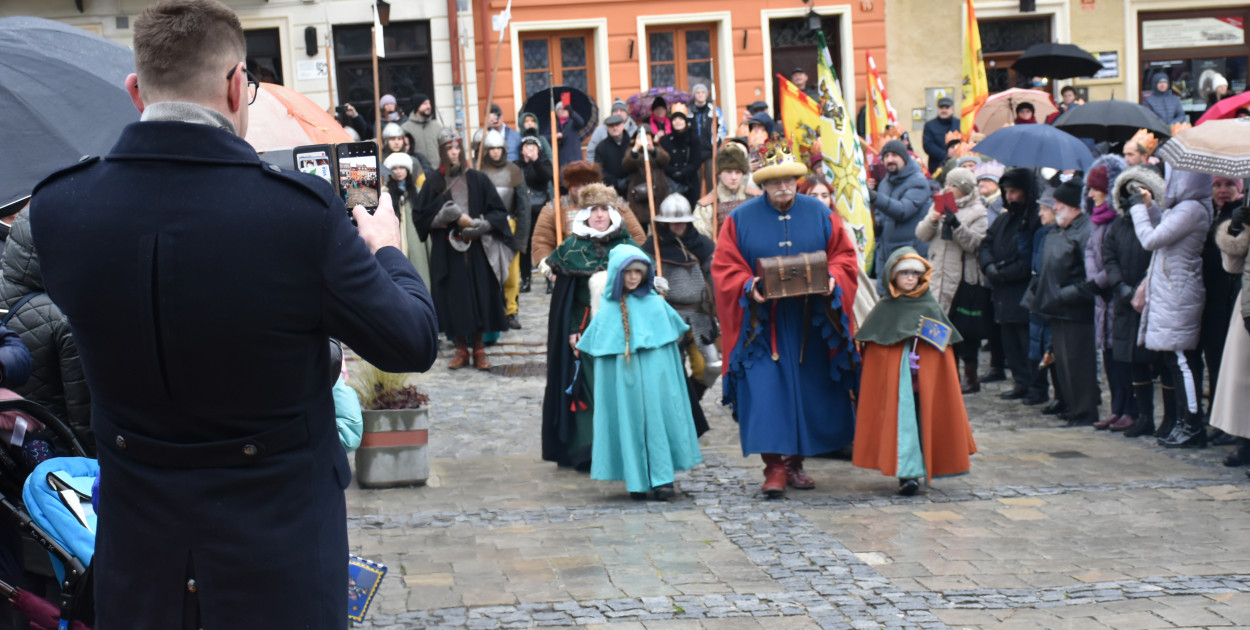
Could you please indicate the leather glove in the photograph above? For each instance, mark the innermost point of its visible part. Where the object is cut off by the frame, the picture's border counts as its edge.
(480, 226)
(1238, 221)
(991, 272)
(1134, 197)
(950, 220)
(1123, 292)
(661, 285)
(447, 215)
(872, 197)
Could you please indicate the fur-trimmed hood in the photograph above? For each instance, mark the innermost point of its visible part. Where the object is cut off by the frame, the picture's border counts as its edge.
(1139, 175)
(1235, 246)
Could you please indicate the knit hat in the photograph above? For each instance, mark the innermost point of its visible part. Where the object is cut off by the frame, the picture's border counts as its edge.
(988, 170)
(619, 105)
(697, 87)
(1048, 197)
(392, 130)
(908, 264)
(387, 99)
(1239, 184)
(962, 180)
(896, 147)
(419, 99)
(1069, 194)
(732, 155)
(531, 140)
(496, 109)
(398, 159)
(1097, 179)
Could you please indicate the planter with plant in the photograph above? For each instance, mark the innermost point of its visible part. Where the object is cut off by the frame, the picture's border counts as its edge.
(396, 429)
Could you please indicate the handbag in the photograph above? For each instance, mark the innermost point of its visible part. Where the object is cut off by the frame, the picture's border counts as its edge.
(968, 308)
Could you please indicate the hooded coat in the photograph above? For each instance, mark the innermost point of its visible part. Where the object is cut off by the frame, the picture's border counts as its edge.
(1095, 268)
(1232, 395)
(899, 207)
(1008, 246)
(1166, 103)
(1125, 263)
(643, 428)
(956, 259)
(1175, 295)
(56, 380)
(685, 156)
(905, 430)
(424, 133)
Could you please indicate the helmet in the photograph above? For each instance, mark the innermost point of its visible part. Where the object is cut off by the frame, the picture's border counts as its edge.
(494, 140)
(392, 130)
(674, 209)
(447, 135)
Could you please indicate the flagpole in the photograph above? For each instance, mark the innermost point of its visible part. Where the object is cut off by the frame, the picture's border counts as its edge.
(655, 236)
(377, 94)
(329, 65)
(490, 91)
(555, 172)
(715, 175)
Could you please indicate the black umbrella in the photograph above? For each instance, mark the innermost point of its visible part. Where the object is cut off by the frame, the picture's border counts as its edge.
(1111, 121)
(539, 104)
(1056, 61)
(63, 96)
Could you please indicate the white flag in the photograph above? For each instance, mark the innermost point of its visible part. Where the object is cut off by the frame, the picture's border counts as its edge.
(377, 33)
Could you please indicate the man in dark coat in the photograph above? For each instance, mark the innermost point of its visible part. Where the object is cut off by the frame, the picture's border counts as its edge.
(1006, 256)
(202, 286)
(610, 155)
(898, 203)
(935, 133)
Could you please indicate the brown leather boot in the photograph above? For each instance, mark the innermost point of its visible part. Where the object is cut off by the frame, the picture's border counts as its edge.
(796, 477)
(774, 475)
(479, 353)
(462, 355)
(970, 385)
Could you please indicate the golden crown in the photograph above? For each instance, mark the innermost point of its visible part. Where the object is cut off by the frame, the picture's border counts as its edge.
(777, 152)
(1145, 140)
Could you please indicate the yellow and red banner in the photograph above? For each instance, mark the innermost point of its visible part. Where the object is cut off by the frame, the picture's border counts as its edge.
(975, 87)
(878, 112)
(822, 134)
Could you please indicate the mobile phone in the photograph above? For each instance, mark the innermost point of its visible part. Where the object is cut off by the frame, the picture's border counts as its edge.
(359, 180)
(877, 171)
(315, 159)
(341, 110)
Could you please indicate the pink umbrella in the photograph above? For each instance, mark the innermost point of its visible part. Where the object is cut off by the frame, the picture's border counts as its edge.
(1000, 109)
(282, 118)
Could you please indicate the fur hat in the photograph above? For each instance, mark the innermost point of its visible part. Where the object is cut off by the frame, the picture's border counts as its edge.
(1140, 175)
(1069, 194)
(596, 194)
(962, 180)
(580, 173)
(732, 155)
(398, 159)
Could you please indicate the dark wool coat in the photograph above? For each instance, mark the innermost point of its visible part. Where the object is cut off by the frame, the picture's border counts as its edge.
(202, 286)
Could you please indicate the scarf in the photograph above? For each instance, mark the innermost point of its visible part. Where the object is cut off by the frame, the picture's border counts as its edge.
(1102, 214)
(691, 247)
(897, 317)
(668, 125)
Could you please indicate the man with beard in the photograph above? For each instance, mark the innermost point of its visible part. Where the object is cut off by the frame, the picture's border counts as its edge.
(423, 126)
(610, 154)
(461, 213)
(898, 203)
(789, 366)
(510, 184)
(732, 189)
(684, 154)
(1006, 257)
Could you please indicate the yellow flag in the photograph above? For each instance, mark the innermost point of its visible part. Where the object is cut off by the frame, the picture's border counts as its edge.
(975, 87)
(822, 135)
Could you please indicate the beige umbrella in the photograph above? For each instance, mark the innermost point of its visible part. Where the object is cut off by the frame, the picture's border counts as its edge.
(1218, 147)
(1000, 109)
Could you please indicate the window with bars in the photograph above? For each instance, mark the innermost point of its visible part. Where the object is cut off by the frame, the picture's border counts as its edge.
(680, 55)
(1003, 41)
(566, 56)
(406, 70)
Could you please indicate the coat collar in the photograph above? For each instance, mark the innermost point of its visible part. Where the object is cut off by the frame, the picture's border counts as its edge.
(182, 141)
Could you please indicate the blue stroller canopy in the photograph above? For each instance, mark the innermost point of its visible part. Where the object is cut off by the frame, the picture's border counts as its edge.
(52, 511)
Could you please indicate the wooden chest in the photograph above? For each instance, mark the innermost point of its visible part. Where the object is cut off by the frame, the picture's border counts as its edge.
(790, 276)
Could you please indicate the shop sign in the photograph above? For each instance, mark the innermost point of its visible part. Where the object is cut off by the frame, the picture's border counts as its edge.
(1193, 33)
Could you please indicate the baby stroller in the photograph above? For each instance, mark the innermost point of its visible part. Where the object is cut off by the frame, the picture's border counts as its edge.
(46, 480)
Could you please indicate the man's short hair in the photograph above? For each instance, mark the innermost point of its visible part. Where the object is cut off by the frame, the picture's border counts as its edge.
(182, 46)
(1068, 88)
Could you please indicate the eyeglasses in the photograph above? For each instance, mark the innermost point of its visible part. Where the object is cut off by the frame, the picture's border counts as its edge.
(253, 86)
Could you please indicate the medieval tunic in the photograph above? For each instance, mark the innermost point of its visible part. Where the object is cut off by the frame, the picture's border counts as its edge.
(643, 430)
(568, 411)
(468, 296)
(909, 427)
(784, 405)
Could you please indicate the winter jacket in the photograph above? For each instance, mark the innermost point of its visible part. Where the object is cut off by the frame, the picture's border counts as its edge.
(424, 133)
(601, 134)
(1063, 291)
(1096, 271)
(1125, 262)
(935, 140)
(1222, 287)
(955, 259)
(4, 237)
(701, 122)
(570, 140)
(1166, 103)
(899, 206)
(56, 379)
(1175, 296)
(685, 156)
(610, 155)
(538, 180)
(14, 359)
(1006, 254)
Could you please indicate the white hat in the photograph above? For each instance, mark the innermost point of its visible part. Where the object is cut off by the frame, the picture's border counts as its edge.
(398, 159)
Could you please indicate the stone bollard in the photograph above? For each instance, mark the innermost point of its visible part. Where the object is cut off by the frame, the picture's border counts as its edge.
(393, 448)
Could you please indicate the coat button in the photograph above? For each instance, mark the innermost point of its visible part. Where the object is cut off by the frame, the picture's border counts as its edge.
(192, 586)
(120, 441)
(249, 449)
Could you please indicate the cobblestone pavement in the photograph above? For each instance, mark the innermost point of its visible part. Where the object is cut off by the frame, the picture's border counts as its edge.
(1053, 528)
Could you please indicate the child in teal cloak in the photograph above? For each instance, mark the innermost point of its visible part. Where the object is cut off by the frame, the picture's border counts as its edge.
(643, 428)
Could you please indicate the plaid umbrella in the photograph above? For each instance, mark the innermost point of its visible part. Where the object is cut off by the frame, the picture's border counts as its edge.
(1218, 147)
